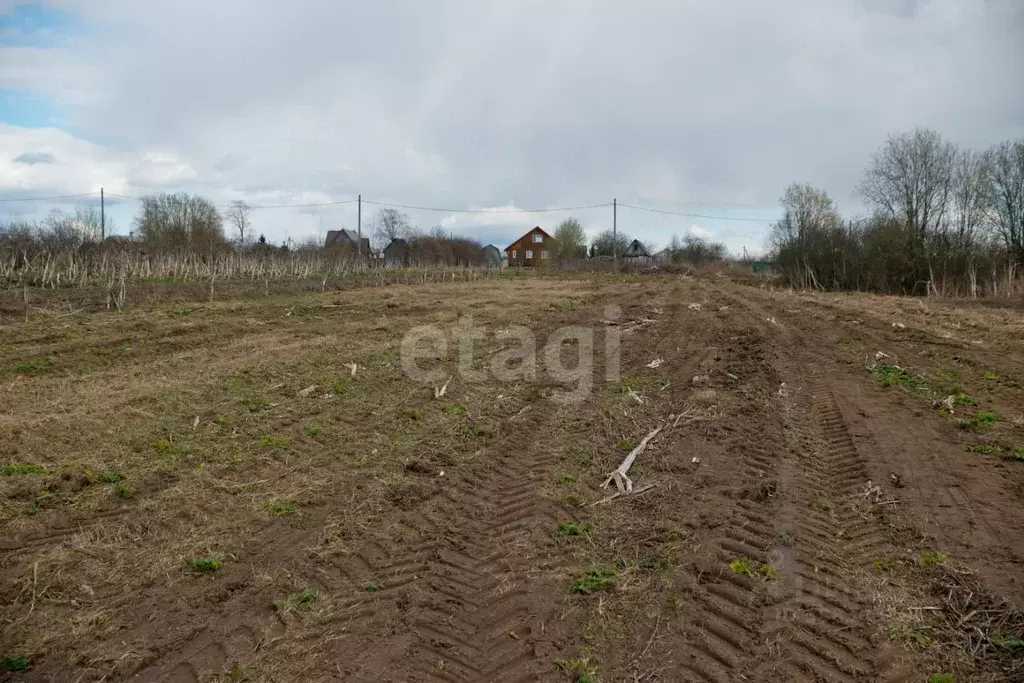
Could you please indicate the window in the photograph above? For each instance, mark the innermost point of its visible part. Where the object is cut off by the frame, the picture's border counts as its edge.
(529, 253)
(537, 238)
(513, 253)
(543, 253)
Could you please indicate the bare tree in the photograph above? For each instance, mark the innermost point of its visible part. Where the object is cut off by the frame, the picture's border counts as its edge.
(1007, 177)
(390, 224)
(608, 244)
(238, 216)
(177, 221)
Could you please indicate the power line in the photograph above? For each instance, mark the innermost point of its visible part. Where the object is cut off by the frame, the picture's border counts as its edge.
(259, 206)
(699, 215)
(46, 199)
(433, 208)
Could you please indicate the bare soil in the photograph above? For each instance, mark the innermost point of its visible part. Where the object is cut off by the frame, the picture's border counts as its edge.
(203, 491)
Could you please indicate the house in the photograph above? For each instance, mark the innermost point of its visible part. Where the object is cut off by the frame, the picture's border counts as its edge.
(535, 248)
(490, 256)
(662, 257)
(636, 250)
(396, 254)
(348, 239)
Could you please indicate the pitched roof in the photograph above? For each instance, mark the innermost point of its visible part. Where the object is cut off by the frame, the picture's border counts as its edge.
(636, 248)
(527, 233)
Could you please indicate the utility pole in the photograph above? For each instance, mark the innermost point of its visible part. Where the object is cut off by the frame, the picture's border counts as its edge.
(615, 231)
(359, 223)
(103, 218)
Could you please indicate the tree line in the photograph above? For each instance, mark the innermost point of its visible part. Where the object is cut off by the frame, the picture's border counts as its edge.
(943, 220)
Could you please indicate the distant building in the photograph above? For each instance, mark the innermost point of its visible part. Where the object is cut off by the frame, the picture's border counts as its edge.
(532, 249)
(491, 256)
(348, 239)
(396, 254)
(662, 257)
(636, 250)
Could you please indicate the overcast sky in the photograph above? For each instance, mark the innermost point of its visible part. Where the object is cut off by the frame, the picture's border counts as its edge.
(698, 107)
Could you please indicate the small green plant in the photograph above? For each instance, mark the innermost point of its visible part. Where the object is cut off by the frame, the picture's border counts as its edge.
(819, 500)
(844, 340)
(8, 470)
(594, 580)
(567, 528)
(338, 387)
(564, 479)
(180, 312)
(1005, 641)
(534, 394)
(1016, 454)
(628, 384)
(964, 400)
(908, 636)
(455, 409)
(110, 477)
(654, 563)
(930, 559)
(413, 414)
(371, 588)
(295, 603)
(669, 535)
(16, 662)
(167, 448)
(313, 430)
(626, 444)
(991, 376)
(987, 417)
(894, 375)
(270, 441)
(985, 448)
(886, 565)
(941, 678)
(205, 565)
(573, 500)
(33, 366)
(466, 430)
(754, 569)
(123, 490)
(581, 668)
(254, 403)
(280, 508)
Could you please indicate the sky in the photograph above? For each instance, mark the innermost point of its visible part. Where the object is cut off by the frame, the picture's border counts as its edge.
(686, 106)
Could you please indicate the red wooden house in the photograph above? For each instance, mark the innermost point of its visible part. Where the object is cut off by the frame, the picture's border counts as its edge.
(535, 248)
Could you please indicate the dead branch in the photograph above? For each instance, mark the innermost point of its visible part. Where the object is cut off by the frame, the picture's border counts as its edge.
(619, 476)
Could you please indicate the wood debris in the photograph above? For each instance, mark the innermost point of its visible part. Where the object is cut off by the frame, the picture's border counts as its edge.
(694, 307)
(440, 391)
(308, 390)
(620, 475)
(655, 363)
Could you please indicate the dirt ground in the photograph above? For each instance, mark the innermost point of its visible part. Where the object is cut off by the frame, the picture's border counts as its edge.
(206, 492)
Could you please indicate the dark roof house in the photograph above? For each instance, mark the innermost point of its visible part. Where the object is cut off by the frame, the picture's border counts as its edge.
(343, 237)
(491, 255)
(397, 253)
(532, 249)
(636, 249)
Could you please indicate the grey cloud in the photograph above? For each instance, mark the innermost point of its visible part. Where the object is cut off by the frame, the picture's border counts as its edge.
(31, 158)
(536, 103)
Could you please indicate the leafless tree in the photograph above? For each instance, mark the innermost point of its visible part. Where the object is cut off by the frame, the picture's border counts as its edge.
(179, 221)
(1006, 168)
(237, 215)
(389, 224)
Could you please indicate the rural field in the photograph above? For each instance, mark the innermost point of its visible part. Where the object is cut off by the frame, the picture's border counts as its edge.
(208, 491)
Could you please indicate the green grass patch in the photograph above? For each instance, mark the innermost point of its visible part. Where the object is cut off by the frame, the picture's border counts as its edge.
(929, 559)
(594, 580)
(338, 387)
(30, 367)
(295, 603)
(844, 340)
(987, 449)
(754, 569)
(123, 490)
(963, 399)
(412, 414)
(886, 565)
(271, 441)
(1007, 642)
(564, 479)
(110, 477)
(371, 588)
(204, 565)
(313, 430)
(567, 528)
(8, 470)
(626, 444)
(281, 509)
(987, 417)
(572, 500)
(908, 636)
(254, 403)
(167, 448)
(454, 409)
(941, 678)
(893, 375)
(15, 663)
(991, 376)
(582, 669)
(1016, 454)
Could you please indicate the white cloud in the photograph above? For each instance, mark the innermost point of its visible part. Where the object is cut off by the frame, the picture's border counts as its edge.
(698, 231)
